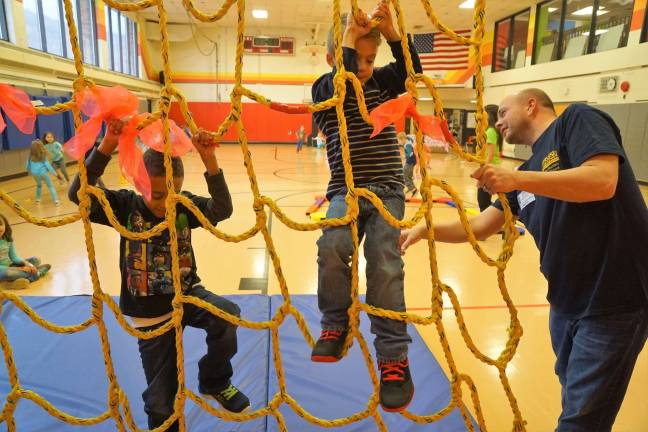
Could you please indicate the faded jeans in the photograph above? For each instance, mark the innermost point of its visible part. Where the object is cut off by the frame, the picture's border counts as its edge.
(384, 270)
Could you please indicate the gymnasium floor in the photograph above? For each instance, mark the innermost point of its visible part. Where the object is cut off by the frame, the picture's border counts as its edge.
(293, 180)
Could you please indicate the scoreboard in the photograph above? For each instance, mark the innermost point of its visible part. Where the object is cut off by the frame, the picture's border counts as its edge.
(269, 45)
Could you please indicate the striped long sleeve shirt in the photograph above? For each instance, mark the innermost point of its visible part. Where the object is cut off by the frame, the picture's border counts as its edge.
(376, 160)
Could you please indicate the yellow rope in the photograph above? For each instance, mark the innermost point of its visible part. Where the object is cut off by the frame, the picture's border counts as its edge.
(117, 399)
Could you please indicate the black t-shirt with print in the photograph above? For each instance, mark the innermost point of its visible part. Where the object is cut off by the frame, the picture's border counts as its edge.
(594, 255)
(145, 265)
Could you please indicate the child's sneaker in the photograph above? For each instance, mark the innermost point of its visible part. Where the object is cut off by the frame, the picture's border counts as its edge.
(18, 284)
(37, 200)
(43, 269)
(230, 398)
(328, 348)
(57, 203)
(396, 387)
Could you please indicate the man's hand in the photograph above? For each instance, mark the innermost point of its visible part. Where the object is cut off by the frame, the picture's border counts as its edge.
(386, 24)
(410, 236)
(205, 144)
(494, 179)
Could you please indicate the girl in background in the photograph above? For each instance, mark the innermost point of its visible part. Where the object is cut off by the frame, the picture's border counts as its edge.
(15, 272)
(39, 168)
(494, 147)
(55, 150)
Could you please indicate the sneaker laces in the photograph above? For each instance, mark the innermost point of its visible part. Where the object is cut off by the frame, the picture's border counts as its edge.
(229, 392)
(330, 334)
(393, 371)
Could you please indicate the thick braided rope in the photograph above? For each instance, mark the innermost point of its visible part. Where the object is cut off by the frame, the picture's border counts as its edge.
(116, 397)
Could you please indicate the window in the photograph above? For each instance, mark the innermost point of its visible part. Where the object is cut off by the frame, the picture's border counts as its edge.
(86, 23)
(568, 24)
(121, 34)
(32, 22)
(47, 28)
(511, 41)
(4, 34)
(546, 41)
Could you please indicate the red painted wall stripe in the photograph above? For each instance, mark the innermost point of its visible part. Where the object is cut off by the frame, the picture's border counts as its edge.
(260, 122)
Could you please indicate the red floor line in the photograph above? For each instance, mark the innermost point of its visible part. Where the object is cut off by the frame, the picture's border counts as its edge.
(523, 306)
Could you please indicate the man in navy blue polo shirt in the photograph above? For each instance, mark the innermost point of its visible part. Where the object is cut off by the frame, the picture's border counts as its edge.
(579, 199)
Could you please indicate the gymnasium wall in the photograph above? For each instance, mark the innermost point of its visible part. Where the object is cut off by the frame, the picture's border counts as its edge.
(578, 79)
(49, 79)
(205, 73)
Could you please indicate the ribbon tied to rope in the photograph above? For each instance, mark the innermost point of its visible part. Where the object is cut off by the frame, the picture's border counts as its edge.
(103, 104)
(16, 104)
(395, 109)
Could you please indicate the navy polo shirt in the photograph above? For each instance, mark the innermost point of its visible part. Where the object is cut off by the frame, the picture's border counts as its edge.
(594, 255)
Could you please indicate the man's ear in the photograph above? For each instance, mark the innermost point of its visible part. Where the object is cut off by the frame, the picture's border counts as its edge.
(532, 106)
(329, 59)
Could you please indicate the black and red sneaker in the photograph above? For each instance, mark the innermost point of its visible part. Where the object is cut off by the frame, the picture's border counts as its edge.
(328, 348)
(396, 387)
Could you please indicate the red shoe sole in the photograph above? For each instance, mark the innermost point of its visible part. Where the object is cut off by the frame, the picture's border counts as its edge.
(401, 408)
(324, 359)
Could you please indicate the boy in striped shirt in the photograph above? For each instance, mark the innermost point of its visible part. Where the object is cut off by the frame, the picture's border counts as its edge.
(376, 165)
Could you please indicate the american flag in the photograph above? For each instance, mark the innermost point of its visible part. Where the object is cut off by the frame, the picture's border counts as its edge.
(438, 52)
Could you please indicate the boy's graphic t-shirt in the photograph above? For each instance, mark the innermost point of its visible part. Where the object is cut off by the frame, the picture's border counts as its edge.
(145, 265)
(148, 262)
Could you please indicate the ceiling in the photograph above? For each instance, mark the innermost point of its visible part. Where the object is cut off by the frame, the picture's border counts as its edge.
(306, 13)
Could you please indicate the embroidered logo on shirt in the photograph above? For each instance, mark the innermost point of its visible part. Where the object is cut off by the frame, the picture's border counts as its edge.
(551, 162)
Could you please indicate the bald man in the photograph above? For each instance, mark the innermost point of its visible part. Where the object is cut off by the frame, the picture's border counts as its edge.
(578, 197)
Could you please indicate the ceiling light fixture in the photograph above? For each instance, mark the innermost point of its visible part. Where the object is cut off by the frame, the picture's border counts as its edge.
(468, 4)
(587, 11)
(260, 13)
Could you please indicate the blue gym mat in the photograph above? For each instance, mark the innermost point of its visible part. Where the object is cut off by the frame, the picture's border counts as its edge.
(69, 372)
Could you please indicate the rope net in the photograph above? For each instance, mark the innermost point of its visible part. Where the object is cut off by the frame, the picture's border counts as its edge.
(118, 405)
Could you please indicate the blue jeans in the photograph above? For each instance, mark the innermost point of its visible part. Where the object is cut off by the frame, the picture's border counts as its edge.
(595, 357)
(12, 273)
(214, 368)
(384, 271)
(39, 186)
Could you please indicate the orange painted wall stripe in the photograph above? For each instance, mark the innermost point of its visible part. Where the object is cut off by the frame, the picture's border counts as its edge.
(531, 32)
(638, 14)
(209, 78)
(101, 20)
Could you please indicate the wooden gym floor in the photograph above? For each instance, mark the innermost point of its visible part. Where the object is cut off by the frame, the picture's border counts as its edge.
(293, 180)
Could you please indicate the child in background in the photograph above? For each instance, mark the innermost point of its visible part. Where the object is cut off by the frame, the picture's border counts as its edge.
(15, 272)
(55, 150)
(407, 141)
(39, 168)
(301, 135)
(494, 146)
